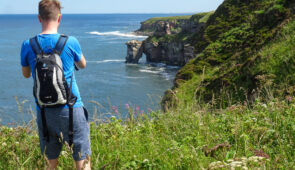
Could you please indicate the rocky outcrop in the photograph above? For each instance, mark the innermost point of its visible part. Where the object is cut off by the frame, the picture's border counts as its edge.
(168, 26)
(174, 53)
(168, 53)
(134, 51)
(189, 52)
(162, 27)
(166, 43)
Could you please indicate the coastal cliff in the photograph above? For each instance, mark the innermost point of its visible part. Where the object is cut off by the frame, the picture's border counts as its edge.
(244, 53)
(168, 40)
(172, 25)
(225, 52)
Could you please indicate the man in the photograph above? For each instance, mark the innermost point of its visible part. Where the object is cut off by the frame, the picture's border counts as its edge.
(57, 119)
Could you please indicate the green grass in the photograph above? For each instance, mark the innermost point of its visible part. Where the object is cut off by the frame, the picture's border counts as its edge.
(177, 139)
(172, 18)
(202, 17)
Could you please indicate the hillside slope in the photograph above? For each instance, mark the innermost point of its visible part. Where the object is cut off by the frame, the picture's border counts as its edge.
(244, 52)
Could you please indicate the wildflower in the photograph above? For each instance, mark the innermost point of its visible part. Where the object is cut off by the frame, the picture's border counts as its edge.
(17, 143)
(289, 98)
(264, 105)
(113, 118)
(4, 144)
(63, 153)
(136, 110)
(127, 106)
(115, 109)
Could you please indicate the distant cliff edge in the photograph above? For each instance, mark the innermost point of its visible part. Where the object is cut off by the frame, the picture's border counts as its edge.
(168, 40)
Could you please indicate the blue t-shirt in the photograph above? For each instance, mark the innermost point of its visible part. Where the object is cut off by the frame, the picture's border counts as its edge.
(71, 52)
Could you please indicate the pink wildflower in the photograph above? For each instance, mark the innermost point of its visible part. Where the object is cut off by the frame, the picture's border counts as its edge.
(127, 106)
(289, 98)
(115, 109)
(136, 110)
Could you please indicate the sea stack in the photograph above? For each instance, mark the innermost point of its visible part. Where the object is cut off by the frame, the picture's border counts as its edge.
(134, 51)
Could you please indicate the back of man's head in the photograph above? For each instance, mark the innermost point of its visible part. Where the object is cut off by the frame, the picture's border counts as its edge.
(49, 10)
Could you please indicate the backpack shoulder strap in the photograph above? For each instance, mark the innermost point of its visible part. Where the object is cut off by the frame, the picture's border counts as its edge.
(61, 44)
(35, 45)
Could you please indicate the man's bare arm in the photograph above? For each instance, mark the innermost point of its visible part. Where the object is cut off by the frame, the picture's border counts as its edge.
(82, 62)
(27, 72)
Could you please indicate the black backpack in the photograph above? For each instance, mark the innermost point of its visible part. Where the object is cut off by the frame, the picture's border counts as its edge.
(50, 86)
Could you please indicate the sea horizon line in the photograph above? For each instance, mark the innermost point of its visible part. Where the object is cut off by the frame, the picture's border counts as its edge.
(103, 13)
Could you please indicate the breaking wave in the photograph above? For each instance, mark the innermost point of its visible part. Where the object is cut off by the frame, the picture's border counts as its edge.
(150, 71)
(116, 33)
(107, 61)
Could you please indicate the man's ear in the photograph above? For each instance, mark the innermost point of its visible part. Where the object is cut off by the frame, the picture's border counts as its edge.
(59, 18)
(40, 19)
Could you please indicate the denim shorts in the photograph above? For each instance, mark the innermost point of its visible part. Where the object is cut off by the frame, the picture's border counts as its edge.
(57, 120)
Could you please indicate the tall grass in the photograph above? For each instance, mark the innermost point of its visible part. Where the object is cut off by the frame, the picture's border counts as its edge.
(194, 137)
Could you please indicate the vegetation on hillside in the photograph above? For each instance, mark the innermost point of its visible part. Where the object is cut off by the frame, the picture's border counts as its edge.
(245, 47)
(169, 19)
(201, 17)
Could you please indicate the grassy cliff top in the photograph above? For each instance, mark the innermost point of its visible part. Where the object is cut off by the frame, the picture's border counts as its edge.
(173, 18)
(202, 17)
(199, 17)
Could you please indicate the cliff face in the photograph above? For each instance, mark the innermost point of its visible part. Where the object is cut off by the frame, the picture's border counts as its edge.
(170, 53)
(167, 39)
(243, 53)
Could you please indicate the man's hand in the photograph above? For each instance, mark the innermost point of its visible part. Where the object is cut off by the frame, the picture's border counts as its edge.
(27, 72)
(82, 63)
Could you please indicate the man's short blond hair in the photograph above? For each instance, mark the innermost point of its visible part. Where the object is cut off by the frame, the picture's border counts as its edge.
(49, 9)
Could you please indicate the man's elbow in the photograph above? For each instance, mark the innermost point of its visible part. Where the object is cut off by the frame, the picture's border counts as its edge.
(82, 62)
(82, 66)
(27, 75)
(26, 72)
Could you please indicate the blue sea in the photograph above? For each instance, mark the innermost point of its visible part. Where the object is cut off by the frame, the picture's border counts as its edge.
(107, 80)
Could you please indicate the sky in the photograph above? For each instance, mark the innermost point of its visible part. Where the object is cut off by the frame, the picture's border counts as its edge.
(113, 6)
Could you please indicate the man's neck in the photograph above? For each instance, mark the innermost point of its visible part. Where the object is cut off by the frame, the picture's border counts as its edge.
(49, 27)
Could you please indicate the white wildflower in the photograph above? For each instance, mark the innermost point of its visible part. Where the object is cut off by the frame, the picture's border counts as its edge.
(230, 160)
(4, 144)
(113, 118)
